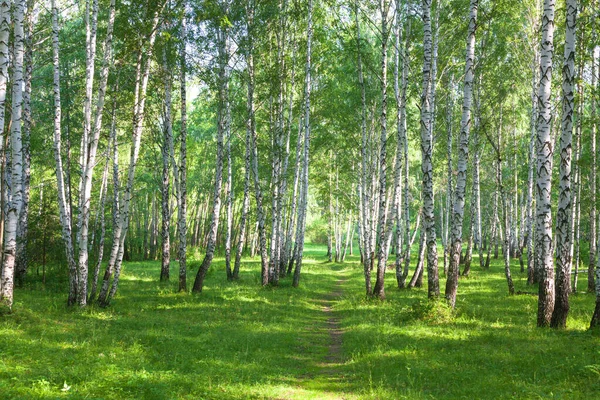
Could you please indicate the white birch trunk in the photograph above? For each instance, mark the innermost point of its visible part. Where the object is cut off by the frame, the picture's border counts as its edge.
(463, 156)
(22, 227)
(182, 210)
(122, 225)
(433, 288)
(307, 86)
(544, 169)
(564, 213)
(16, 149)
(63, 205)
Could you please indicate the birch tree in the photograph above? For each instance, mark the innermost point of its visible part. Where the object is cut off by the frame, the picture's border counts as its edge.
(301, 224)
(122, 218)
(167, 145)
(564, 213)
(433, 287)
(182, 210)
(463, 155)
(15, 200)
(544, 147)
(222, 126)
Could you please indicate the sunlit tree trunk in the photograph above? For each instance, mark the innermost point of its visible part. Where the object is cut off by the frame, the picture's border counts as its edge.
(122, 224)
(531, 274)
(88, 154)
(463, 155)
(63, 205)
(182, 210)
(593, 278)
(21, 261)
(364, 198)
(251, 125)
(433, 287)
(400, 86)
(576, 209)
(15, 202)
(564, 213)
(245, 205)
(303, 210)
(228, 199)
(221, 134)
(449, 186)
(544, 170)
(167, 145)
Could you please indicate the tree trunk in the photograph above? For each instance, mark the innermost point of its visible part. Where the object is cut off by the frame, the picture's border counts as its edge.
(592, 286)
(22, 227)
(463, 155)
(251, 125)
(120, 231)
(564, 213)
(544, 170)
(433, 286)
(167, 145)
(182, 211)
(229, 199)
(221, 133)
(15, 202)
(63, 205)
(303, 210)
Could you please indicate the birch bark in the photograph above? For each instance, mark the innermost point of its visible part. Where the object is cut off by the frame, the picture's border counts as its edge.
(433, 287)
(221, 134)
(307, 88)
(122, 225)
(564, 213)
(63, 205)
(463, 156)
(544, 169)
(15, 202)
(182, 211)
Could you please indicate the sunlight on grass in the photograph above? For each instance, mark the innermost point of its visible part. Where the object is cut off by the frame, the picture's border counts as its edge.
(237, 340)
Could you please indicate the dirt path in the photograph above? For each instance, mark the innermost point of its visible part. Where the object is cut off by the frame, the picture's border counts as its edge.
(334, 328)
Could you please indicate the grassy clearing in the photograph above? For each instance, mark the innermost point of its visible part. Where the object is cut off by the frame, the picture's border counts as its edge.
(241, 341)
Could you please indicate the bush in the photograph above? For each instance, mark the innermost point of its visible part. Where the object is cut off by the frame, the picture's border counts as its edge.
(432, 311)
(316, 232)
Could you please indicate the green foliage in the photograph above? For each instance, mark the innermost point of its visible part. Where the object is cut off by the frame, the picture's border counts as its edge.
(432, 311)
(240, 341)
(316, 231)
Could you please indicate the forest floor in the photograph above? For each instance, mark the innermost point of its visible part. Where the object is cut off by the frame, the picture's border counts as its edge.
(324, 340)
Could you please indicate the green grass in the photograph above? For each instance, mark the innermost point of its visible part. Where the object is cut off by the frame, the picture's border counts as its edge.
(240, 341)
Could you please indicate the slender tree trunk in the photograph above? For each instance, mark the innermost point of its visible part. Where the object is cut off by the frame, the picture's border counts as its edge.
(531, 272)
(433, 286)
(449, 187)
(101, 212)
(564, 213)
(16, 149)
(22, 227)
(88, 154)
(576, 214)
(251, 125)
(544, 170)
(364, 197)
(229, 201)
(182, 210)
(463, 155)
(303, 210)
(120, 231)
(63, 205)
(420, 259)
(221, 133)
(592, 286)
(245, 204)
(167, 145)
